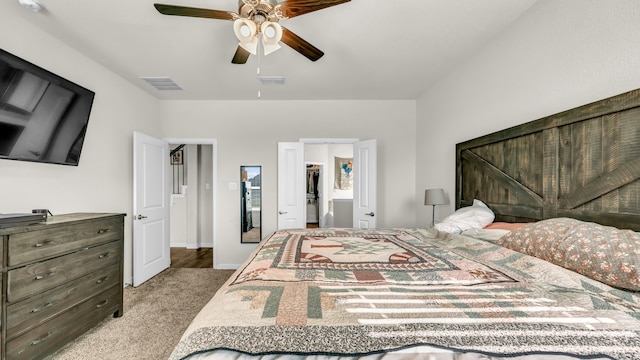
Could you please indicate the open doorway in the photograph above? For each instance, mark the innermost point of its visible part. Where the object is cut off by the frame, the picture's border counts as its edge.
(330, 202)
(192, 220)
(292, 188)
(315, 194)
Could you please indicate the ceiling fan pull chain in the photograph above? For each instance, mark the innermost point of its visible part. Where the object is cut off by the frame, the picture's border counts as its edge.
(259, 52)
(258, 69)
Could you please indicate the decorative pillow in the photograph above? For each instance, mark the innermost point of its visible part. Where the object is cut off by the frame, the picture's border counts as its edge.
(505, 225)
(603, 253)
(477, 216)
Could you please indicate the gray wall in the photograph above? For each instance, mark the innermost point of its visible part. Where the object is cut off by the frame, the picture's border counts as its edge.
(556, 56)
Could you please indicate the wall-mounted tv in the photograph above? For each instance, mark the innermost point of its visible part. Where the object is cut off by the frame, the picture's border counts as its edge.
(43, 117)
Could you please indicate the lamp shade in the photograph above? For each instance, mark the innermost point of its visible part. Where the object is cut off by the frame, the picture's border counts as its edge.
(271, 36)
(434, 197)
(245, 31)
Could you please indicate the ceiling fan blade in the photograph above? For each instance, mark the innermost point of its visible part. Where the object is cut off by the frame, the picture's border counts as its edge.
(300, 45)
(194, 12)
(241, 56)
(293, 8)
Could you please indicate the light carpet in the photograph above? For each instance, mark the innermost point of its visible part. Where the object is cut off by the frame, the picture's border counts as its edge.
(155, 316)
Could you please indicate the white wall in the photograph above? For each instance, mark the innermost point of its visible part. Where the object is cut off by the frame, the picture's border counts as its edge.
(248, 133)
(557, 56)
(103, 180)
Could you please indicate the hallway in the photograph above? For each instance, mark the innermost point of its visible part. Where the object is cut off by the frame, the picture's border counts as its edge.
(191, 258)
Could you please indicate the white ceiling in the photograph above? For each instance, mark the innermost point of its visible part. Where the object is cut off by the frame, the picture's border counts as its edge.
(374, 49)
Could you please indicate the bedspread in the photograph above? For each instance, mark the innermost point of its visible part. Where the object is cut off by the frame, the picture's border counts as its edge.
(356, 292)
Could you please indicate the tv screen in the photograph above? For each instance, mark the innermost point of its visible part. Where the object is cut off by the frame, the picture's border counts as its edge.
(43, 117)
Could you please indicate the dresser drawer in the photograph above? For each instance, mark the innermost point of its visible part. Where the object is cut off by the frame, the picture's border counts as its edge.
(39, 308)
(46, 338)
(30, 246)
(32, 279)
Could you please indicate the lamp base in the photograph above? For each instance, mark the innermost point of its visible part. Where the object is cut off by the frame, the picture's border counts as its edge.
(433, 215)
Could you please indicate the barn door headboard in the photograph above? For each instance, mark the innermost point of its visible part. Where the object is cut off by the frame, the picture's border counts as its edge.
(583, 163)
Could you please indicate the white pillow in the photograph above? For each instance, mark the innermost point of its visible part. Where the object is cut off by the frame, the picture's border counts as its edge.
(475, 216)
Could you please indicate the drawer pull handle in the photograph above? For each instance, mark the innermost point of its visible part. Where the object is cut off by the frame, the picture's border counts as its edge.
(100, 281)
(44, 243)
(40, 277)
(41, 307)
(102, 231)
(102, 256)
(102, 304)
(38, 341)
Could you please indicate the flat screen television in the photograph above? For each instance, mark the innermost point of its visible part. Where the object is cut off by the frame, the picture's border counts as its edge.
(43, 117)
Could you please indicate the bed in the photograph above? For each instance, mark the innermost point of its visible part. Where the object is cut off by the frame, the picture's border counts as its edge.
(563, 284)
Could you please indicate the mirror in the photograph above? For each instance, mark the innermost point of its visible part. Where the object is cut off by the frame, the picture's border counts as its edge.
(250, 204)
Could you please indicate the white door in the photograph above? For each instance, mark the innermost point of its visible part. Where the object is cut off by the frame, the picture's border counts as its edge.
(365, 168)
(151, 253)
(291, 186)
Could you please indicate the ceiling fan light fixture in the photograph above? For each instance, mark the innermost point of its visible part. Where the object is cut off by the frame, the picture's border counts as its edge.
(271, 31)
(268, 49)
(246, 32)
(244, 29)
(259, 19)
(251, 46)
(271, 36)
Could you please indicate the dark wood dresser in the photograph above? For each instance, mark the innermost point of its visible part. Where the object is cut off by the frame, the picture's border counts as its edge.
(59, 278)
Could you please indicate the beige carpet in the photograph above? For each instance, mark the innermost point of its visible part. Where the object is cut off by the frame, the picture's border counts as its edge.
(155, 316)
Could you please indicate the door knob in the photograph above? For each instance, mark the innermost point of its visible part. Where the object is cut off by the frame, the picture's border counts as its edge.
(282, 212)
(140, 217)
(370, 214)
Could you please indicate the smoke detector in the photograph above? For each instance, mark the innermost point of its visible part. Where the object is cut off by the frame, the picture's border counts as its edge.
(33, 5)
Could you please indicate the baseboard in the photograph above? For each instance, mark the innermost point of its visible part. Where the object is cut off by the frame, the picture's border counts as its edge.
(192, 247)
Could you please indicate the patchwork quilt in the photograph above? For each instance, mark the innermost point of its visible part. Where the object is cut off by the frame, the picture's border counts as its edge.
(357, 292)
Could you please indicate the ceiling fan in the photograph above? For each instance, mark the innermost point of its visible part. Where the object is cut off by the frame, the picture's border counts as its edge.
(260, 19)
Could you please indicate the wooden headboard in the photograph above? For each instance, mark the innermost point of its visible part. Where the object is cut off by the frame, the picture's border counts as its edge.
(583, 163)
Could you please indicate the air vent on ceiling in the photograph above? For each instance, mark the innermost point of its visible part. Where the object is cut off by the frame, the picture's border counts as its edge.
(271, 80)
(162, 83)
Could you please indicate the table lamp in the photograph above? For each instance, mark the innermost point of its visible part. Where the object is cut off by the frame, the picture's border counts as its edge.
(434, 197)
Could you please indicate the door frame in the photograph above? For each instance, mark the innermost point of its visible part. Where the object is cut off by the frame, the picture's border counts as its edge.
(214, 166)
